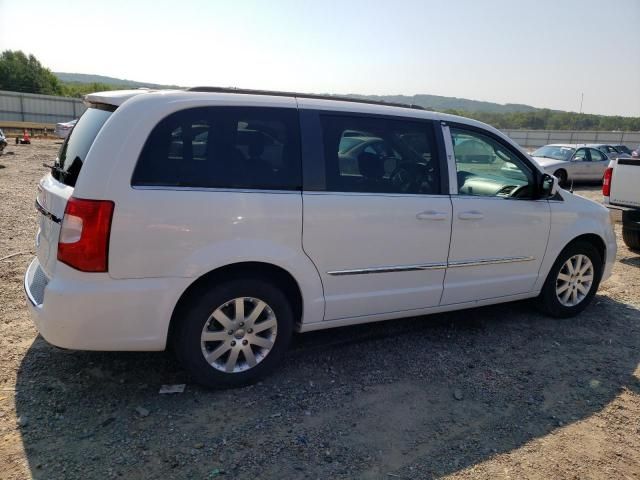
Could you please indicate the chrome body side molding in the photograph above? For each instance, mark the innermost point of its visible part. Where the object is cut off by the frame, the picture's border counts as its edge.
(398, 268)
(488, 261)
(431, 266)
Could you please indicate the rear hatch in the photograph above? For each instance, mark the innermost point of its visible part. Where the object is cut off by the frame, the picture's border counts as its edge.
(55, 188)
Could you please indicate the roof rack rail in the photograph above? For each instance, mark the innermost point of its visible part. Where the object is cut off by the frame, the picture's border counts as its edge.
(273, 93)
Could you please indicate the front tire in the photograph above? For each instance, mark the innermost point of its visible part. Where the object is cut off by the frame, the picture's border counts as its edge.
(234, 333)
(572, 281)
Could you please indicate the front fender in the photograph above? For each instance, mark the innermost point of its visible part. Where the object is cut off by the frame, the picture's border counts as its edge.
(570, 218)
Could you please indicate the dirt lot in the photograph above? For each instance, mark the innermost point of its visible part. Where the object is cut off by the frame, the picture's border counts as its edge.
(498, 392)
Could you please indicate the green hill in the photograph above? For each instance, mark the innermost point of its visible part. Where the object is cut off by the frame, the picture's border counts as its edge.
(432, 102)
(83, 78)
(509, 115)
(436, 102)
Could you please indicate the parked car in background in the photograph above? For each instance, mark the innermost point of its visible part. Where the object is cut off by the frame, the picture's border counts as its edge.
(3, 141)
(623, 149)
(62, 129)
(220, 222)
(570, 162)
(609, 150)
(469, 150)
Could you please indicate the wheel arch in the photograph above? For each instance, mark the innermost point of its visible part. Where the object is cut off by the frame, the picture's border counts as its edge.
(553, 252)
(595, 240)
(564, 171)
(267, 271)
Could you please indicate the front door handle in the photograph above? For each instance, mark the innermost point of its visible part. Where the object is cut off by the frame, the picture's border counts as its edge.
(431, 215)
(471, 215)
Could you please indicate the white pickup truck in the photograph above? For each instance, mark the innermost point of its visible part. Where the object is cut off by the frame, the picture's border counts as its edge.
(621, 190)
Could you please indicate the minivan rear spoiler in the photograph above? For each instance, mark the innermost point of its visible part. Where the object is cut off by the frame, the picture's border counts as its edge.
(113, 98)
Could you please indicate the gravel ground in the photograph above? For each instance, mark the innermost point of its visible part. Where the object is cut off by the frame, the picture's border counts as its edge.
(497, 392)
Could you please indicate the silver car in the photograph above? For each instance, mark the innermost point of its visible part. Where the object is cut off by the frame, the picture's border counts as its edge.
(610, 151)
(64, 128)
(572, 162)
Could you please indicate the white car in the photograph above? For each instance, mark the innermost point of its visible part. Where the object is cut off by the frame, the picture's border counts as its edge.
(62, 129)
(220, 222)
(571, 163)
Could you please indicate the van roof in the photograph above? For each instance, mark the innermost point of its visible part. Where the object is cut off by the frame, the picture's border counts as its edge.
(275, 98)
(117, 97)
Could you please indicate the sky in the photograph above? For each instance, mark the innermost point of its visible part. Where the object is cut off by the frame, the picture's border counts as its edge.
(545, 53)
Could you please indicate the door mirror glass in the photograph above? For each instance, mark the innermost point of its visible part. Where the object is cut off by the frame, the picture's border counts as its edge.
(549, 186)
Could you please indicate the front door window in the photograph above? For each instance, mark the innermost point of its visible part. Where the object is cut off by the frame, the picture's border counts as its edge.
(485, 167)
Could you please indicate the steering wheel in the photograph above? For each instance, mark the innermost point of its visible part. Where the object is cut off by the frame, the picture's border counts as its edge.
(518, 191)
(408, 177)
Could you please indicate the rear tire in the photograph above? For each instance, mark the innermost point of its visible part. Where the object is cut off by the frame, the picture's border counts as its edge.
(233, 333)
(631, 238)
(561, 175)
(572, 281)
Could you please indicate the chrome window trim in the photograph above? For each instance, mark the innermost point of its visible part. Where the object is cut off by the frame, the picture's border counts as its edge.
(499, 198)
(212, 189)
(430, 266)
(488, 261)
(374, 194)
(388, 269)
(296, 192)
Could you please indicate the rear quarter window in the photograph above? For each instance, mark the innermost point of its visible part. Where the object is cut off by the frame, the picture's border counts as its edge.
(77, 144)
(223, 147)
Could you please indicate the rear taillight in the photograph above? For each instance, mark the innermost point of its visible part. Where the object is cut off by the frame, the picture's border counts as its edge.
(606, 182)
(84, 236)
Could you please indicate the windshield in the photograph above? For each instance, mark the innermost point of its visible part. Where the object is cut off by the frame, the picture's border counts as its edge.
(75, 148)
(554, 152)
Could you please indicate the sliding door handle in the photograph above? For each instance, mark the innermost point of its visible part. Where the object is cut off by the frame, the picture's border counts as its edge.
(471, 215)
(432, 215)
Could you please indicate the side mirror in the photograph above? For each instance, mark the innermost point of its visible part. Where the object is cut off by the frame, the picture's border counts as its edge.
(549, 186)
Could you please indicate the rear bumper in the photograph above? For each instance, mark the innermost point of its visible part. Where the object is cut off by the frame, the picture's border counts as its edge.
(95, 312)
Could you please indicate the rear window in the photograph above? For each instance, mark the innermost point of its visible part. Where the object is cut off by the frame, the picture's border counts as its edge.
(76, 146)
(223, 147)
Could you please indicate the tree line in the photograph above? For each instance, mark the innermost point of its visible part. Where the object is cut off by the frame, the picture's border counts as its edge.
(544, 119)
(22, 73)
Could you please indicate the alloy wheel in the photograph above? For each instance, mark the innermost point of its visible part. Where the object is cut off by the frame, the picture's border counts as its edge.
(239, 334)
(574, 280)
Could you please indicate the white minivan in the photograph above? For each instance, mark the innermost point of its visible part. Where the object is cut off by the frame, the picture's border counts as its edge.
(221, 221)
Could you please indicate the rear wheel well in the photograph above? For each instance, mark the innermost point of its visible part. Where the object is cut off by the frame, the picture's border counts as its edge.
(265, 271)
(594, 240)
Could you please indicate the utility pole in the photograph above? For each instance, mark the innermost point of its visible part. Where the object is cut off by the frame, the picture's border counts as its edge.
(581, 100)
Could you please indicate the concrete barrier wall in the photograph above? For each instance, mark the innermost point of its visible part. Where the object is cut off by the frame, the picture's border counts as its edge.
(47, 109)
(538, 138)
(28, 107)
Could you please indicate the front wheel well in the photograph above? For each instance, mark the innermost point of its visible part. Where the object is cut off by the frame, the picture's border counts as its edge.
(593, 239)
(266, 271)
